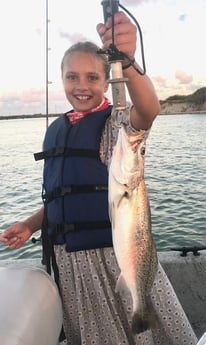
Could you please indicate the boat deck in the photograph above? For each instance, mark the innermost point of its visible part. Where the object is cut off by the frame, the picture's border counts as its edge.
(187, 275)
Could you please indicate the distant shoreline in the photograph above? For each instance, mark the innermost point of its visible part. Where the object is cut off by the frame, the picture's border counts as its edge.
(184, 112)
(174, 105)
(16, 117)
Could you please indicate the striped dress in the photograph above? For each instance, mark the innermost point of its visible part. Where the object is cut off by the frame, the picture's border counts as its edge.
(94, 314)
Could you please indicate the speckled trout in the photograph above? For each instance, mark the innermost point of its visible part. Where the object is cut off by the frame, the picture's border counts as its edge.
(131, 226)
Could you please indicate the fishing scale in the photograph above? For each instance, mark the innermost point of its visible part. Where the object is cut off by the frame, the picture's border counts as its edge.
(116, 57)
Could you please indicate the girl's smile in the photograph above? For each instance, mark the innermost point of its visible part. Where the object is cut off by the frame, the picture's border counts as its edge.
(84, 80)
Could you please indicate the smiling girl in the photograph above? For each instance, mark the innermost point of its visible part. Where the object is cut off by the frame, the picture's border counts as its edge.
(74, 219)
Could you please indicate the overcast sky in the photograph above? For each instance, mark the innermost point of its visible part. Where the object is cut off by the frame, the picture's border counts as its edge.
(174, 44)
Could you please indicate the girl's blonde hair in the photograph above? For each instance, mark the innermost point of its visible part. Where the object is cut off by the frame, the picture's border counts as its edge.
(90, 48)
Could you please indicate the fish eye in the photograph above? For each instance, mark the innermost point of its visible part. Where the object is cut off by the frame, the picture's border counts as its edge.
(126, 192)
(143, 150)
(126, 195)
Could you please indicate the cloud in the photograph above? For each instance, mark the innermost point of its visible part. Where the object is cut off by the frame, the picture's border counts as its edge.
(134, 2)
(32, 101)
(32, 95)
(25, 102)
(38, 31)
(182, 17)
(160, 80)
(25, 96)
(183, 77)
(73, 37)
(9, 97)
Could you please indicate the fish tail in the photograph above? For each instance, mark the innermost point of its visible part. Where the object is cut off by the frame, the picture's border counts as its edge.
(144, 320)
(139, 324)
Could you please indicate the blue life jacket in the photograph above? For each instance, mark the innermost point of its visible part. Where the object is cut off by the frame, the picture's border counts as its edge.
(75, 183)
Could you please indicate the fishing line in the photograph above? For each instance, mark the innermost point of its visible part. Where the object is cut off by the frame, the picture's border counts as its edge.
(115, 59)
(141, 44)
(110, 7)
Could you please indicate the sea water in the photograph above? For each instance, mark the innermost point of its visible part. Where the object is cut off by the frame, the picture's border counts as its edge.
(175, 174)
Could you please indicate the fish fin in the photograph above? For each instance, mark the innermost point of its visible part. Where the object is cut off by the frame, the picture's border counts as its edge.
(112, 212)
(145, 319)
(125, 195)
(121, 285)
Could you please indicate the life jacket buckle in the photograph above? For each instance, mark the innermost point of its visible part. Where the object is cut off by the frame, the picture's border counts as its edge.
(43, 194)
(64, 190)
(101, 188)
(62, 229)
(59, 151)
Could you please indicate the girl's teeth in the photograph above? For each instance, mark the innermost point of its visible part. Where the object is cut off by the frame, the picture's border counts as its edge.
(82, 97)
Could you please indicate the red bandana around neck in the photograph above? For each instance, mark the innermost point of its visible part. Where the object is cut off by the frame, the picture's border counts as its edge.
(75, 116)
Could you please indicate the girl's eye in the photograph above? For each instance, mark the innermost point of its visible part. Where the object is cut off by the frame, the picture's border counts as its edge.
(71, 76)
(93, 77)
(74, 77)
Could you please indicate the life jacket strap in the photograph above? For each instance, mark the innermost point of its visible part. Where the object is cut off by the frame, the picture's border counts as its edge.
(49, 258)
(73, 189)
(66, 151)
(64, 228)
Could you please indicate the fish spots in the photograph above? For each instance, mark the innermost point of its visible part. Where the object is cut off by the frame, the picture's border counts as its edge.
(132, 238)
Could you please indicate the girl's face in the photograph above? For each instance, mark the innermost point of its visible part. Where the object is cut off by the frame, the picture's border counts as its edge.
(84, 80)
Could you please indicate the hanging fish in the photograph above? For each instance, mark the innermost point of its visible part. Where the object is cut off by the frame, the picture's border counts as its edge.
(131, 226)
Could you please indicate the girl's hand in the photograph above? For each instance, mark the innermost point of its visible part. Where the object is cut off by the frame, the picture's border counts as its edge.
(125, 34)
(16, 235)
